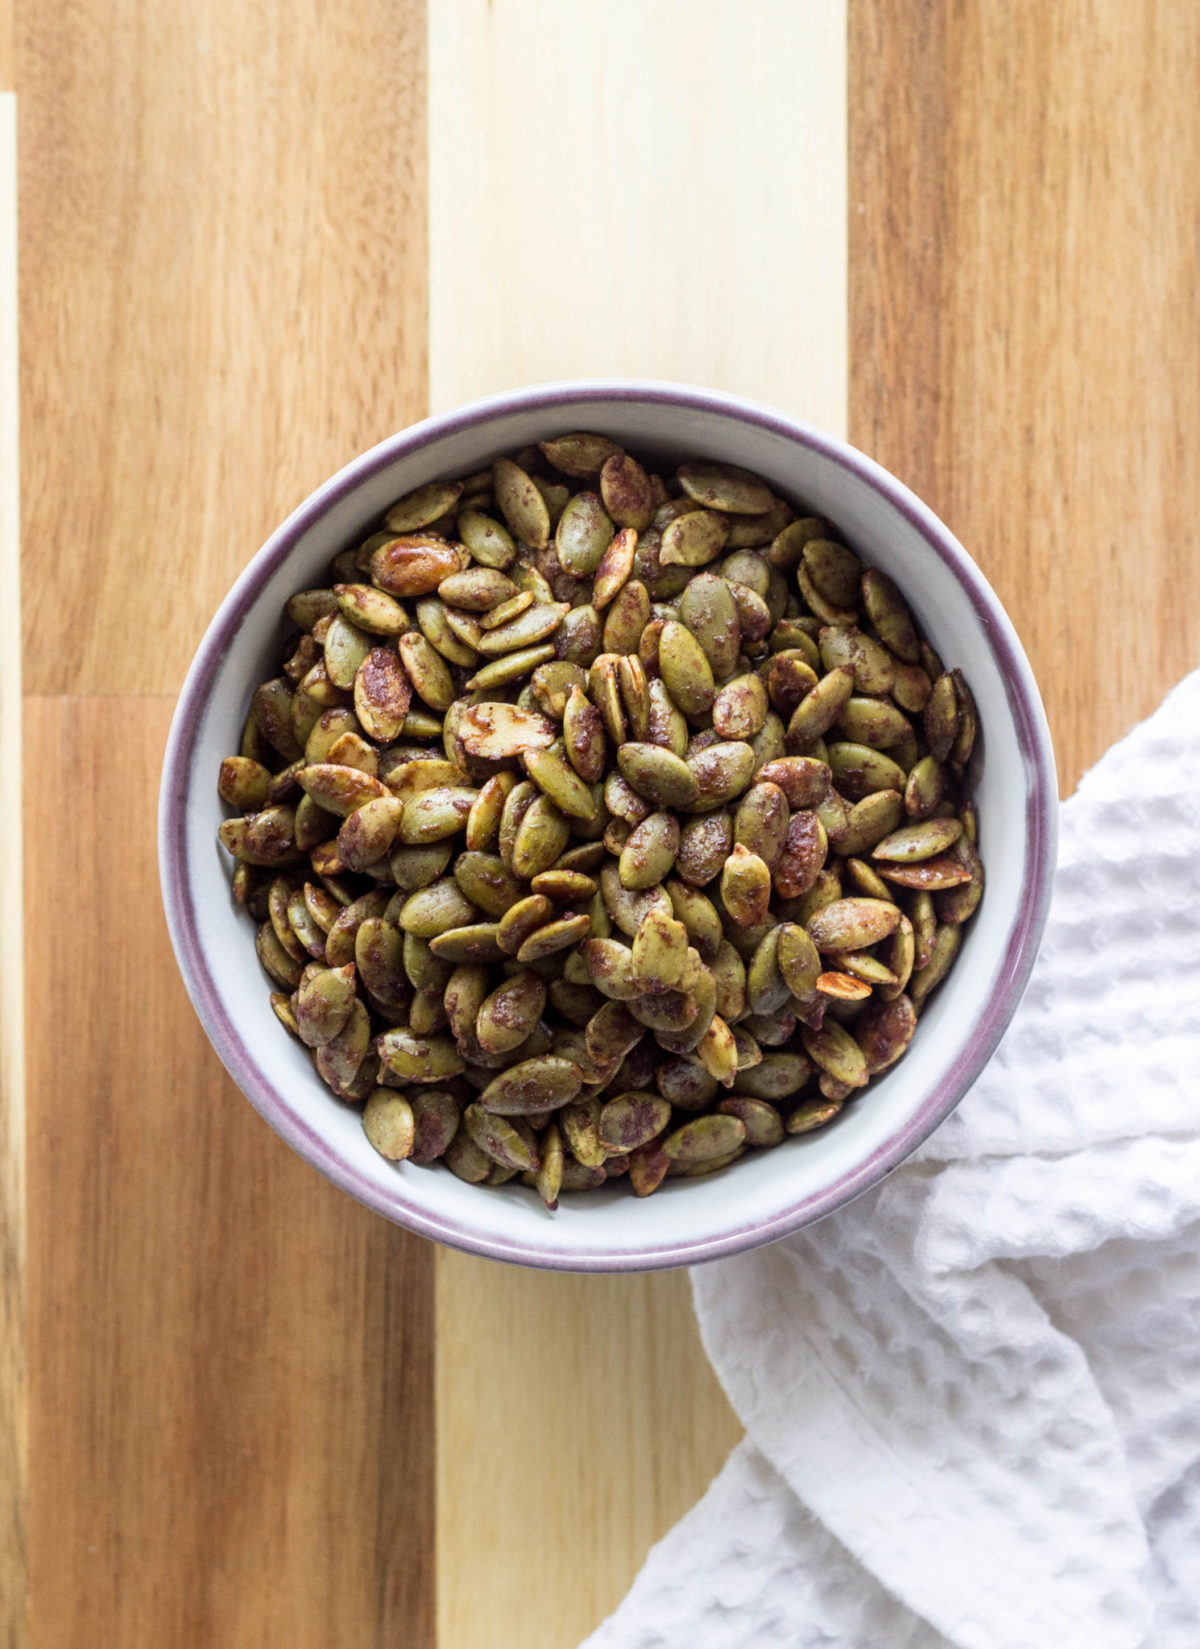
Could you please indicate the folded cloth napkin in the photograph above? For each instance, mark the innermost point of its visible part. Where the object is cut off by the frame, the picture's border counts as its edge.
(972, 1397)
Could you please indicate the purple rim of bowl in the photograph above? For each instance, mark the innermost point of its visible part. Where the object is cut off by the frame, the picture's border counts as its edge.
(1020, 950)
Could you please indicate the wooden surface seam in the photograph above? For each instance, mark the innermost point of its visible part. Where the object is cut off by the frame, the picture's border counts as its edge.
(13, 1402)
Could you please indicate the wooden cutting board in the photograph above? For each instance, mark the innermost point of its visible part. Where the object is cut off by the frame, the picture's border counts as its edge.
(236, 1411)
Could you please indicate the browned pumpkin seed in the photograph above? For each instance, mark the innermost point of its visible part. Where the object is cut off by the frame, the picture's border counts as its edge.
(498, 732)
(929, 875)
(625, 488)
(614, 567)
(414, 565)
(853, 924)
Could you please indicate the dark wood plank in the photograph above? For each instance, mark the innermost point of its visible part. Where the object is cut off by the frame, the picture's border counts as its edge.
(223, 244)
(1025, 321)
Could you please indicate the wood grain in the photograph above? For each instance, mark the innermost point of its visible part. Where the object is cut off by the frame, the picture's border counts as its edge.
(665, 206)
(230, 1361)
(669, 203)
(225, 209)
(1025, 322)
(231, 1365)
(13, 1459)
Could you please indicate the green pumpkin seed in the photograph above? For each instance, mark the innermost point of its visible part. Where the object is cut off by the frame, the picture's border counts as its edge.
(920, 841)
(812, 1114)
(554, 936)
(541, 836)
(627, 618)
(694, 539)
(762, 1122)
(858, 770)
(536, 624)
(928, 875)
(436, 1122)
(820, 708)
(870, 820)
(874, 722)
(580, 456)
(550, 1173)
(508, 1142)
(889, 614)
(476, 942)
(648, 855)
(486, 882)
(466, 1161)
(833, 1050)
(657, 774)
(631, 1120)
(659, 951)
(521, 504)
(705, 843)
(686, 671)
(368, 833)
(708, 611)
(746, 887)
(383, 691)
(942, 717)
(490, 544)
(725, 487)
(585, 531)
(703, 1139)
(665, 722)
(803, 856)
(958, 904)
(510, 667)
(389, 1124)
(533, 1085)
(834, 571)
(722, 772)
(964, 739)
(424, 506)
(925, 980)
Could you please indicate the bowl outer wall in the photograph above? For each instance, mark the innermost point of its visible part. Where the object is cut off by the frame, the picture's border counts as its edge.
(772, 1193)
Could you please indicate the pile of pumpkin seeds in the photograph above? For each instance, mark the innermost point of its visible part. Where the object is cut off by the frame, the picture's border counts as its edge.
(602, 823)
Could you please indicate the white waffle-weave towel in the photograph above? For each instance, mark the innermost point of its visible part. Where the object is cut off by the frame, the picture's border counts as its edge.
(972, 1397)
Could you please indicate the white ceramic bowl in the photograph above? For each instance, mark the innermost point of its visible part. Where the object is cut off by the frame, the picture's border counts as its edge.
(767, 1194)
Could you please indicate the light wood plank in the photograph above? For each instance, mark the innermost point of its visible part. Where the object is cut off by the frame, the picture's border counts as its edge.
(664, 204)
(655, 191)
(12, 1031)
(225, 209)
(231, 1381)
(1026, 322)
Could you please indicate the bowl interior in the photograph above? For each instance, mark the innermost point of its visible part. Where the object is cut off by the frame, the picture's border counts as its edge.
(766, 1194)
